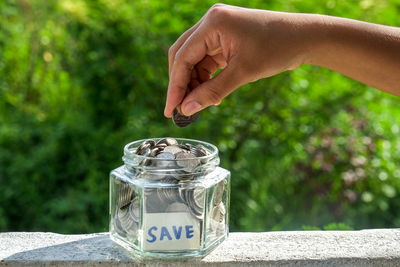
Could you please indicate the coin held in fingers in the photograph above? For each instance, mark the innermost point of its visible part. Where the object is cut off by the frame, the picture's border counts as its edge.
(181, 120)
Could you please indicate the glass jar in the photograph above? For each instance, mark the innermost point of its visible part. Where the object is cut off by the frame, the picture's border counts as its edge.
(169, 207)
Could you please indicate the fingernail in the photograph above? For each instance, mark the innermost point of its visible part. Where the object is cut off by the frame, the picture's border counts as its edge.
(191, 108)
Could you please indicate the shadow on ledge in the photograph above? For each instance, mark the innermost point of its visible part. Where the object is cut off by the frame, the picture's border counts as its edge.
(91, 249)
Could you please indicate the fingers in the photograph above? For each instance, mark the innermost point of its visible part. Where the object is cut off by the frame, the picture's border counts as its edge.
(199, 74)
(192, 51)
(193, 58)
(220, 60)
(194, 82)
(212, 91)
(180, 92)
(178, 43)
(205, 68)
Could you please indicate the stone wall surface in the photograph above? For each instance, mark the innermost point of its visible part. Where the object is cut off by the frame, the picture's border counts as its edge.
(380, 247)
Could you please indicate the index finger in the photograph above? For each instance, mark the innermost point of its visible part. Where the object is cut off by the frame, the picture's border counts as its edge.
(178, 43)
(192, 51)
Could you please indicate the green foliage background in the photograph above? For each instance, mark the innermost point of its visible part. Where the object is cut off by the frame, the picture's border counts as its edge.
(79, 79)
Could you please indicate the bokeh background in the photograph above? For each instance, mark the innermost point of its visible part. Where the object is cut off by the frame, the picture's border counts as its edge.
(308, 149)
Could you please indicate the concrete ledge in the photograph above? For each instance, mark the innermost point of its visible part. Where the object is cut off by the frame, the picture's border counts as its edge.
(297, 248)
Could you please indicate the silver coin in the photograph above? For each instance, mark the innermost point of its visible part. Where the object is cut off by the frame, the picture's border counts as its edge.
(182, 194)
(126, 222)
(195, 210)
(199, 194)
(125, 194)
(146, 152)
(181, 120)
(184, 155)
(169, 194)
(153, 176)
(217, 216)
(183, 175)
(187, 161)
(177, 207)
(159, 163)
(146, 162)
(165, 160)
(134, 210)
(140, 150)
(170, 179)
(166, 155)
(201, 151)
(173, 149)
(117, 226)
(150, 141)
(187, 146)
(161, 146)
(155, 151)
(194, 151)
(167, 141)
(152, 202)
(145, 145)
(222, 210)
(218, 192)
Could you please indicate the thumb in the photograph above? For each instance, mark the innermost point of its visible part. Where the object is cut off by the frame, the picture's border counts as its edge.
(211, 92)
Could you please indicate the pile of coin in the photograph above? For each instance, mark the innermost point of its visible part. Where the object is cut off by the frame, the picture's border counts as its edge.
(171, 191)
(218, 210)
(127, 212)
(175, 199)
(165, 148)
(167, 153)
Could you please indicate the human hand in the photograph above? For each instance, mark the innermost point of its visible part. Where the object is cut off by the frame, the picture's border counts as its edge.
(248, 44)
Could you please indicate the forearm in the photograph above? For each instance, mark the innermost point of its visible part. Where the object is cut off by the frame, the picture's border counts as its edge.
(366, 52)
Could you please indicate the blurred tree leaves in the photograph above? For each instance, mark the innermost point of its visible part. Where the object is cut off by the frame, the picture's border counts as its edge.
(308, 149)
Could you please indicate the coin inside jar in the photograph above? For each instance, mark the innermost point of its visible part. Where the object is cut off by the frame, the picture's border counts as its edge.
(144, 146)
(165, 159)
(167, 142)
(187, 161)
(177, 207)
(134, 210)
(173, 149)
(199, 196)
(218, 193)
(217, 216)
(182, 161)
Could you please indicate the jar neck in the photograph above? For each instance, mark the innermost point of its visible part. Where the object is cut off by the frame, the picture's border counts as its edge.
(182, 167)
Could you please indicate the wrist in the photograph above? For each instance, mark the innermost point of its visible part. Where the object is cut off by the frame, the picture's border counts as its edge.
(310, 35)
(299, 36)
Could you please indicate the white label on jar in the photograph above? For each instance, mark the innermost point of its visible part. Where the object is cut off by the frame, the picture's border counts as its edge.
(170, 231)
